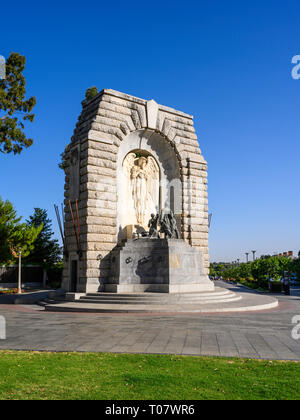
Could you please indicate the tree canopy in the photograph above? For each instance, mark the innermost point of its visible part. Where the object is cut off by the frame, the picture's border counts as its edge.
(257, 272)
(46, 249)
(15, 109)
(91, 92)
(14, 235)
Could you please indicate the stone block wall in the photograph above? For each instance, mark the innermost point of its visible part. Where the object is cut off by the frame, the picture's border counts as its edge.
(91, 178)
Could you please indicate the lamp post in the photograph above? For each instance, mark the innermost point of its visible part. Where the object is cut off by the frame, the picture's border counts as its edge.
(44, 274)
(19, 273)
(253, 252)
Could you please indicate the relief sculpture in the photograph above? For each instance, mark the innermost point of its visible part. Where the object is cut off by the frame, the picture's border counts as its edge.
(142, 180)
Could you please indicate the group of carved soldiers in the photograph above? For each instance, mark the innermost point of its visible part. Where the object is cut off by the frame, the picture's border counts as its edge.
(168, 225)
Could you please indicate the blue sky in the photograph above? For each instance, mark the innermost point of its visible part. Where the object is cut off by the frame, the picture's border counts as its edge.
(226, 62)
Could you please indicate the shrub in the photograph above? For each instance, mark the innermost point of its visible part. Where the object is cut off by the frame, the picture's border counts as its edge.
(9, 291)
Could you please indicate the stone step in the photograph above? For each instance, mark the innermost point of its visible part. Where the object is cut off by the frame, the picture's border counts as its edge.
(157, 295)
(164, 298)
(159, 301)
(246, 302)
(228, 298)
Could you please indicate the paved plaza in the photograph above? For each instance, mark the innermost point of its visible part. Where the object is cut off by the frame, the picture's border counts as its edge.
(264, 334)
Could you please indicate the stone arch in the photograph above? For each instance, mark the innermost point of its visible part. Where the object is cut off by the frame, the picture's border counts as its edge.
(102, 131)
(157, 145)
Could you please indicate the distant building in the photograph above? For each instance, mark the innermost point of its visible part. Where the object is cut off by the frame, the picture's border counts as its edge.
(287, 254)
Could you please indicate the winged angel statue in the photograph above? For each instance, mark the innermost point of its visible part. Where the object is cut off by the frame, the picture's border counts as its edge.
(142, 180)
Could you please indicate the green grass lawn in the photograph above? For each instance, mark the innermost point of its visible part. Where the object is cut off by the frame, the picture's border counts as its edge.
(39, 375)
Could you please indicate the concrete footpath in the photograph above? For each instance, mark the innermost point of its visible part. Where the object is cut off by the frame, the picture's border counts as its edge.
(261, 335)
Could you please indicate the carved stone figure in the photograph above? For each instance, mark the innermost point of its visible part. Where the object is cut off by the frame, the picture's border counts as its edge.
(153, 222)
(165, 226)
(173, 225)
(142, 175)
(169, 226)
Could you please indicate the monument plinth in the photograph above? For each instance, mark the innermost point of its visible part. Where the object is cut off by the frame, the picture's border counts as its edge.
(157, 265)
(131, 161)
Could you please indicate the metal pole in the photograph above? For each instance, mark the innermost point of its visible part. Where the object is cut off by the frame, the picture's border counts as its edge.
(209, 220)
(44, 275)
(20, 271)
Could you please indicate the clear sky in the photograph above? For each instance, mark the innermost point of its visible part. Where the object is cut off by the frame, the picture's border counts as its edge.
(226, 62)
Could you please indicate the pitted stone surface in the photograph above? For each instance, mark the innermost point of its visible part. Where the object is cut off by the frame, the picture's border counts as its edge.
(157, 265)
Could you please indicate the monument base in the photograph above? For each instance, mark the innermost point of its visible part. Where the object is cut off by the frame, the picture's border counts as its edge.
(157, 265)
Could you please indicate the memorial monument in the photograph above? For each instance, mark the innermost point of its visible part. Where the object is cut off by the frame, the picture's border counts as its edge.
(136, 215)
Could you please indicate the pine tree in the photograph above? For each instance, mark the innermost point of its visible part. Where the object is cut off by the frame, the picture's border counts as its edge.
(15, 110)
(46, 250)
(14, 235)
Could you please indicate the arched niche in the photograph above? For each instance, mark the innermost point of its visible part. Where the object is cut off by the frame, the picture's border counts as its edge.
(150, 143)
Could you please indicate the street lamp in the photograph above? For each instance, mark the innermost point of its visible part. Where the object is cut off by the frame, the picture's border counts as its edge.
(19, 274)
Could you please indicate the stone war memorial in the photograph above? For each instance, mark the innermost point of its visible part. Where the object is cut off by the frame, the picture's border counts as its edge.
(136, 208)
(129, 159)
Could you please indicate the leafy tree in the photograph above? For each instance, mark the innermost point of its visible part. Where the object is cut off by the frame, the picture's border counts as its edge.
(217, 269)
(245, 271)
(258, 272)
(13, 234)
(15, 110)
(270, 267)
(46, 250)
(91, 92)
(295, 267)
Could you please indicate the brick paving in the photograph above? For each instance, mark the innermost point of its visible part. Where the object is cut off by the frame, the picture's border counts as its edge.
(265, 334)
